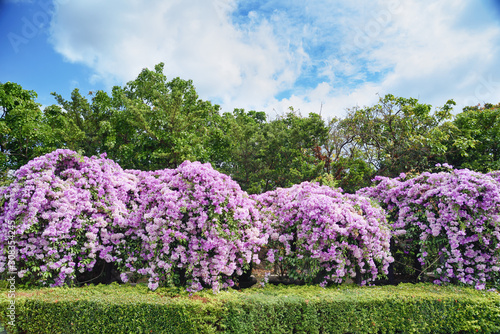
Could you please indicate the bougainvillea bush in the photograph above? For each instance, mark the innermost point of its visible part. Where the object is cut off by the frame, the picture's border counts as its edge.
(62, 213)
(188, 226)
(192, 225)
(453, 217)
(317, 233)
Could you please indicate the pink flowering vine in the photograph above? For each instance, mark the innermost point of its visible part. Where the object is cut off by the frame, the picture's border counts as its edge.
(453, 218)
(319, 233)
(191, 225)
(194, 224)
(61, 213)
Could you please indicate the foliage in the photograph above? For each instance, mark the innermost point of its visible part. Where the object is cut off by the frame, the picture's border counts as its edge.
(420, 308)
(291, 141)
(343, 156)
(81, 125)
(247, 148)
(152, 123)
(316, 232)
(148, 124)
(453, 218)
(402, 309)
(111, 309)
(476, 145)
(159, 124)
(352, 173)
(279, 153)
(399, 135)
(22, 130)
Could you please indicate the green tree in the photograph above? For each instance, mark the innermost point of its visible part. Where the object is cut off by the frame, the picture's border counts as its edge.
(345, 166)
(292, 145)
(476, 144)
(279, 153)
(65, 133)
(159, 124)
(23, 131)
(245, 162)
(81, 125)
(400, 135)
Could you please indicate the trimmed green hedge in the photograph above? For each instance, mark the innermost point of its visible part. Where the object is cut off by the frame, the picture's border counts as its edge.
(406, 309)
(421, 308)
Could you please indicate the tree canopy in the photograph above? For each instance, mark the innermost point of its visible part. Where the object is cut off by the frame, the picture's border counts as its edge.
(153, 123)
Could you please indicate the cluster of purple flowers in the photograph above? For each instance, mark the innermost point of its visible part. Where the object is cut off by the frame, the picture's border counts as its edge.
(194, 226)
(195, 222)
(455, 217)
(69, 211)
(319, 232)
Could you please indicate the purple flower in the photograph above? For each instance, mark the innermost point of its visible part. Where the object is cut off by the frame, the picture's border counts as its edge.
(320, 228)
(455, 216)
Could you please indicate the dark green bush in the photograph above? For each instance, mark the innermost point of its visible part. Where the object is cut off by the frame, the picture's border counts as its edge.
(111, 309)
(407, 308)
(421, 308)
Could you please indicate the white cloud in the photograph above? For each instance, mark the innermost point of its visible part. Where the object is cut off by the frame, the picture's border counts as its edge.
(433, 52)
(195, 39)
(426, 52)
(334, 54)
(327, 101)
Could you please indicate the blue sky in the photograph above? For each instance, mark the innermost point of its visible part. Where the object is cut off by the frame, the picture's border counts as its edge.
(262, 55)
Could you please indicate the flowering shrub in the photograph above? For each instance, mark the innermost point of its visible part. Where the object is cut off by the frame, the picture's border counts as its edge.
(63, 212)
(455, 218)
(318, 233)
(192, 225)
(60, 214)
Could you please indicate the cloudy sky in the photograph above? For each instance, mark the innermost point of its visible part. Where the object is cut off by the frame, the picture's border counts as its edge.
(316, 56)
